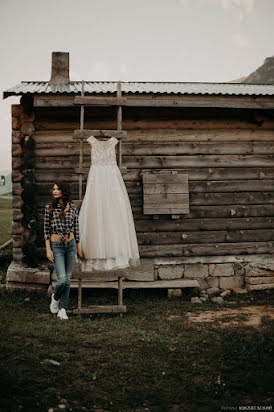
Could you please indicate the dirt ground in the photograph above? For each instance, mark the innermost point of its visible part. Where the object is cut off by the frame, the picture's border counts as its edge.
(231, 317)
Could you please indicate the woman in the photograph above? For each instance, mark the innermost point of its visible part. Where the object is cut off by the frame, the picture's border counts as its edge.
(61, 233)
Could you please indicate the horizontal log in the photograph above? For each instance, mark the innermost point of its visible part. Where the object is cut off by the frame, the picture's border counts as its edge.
(52, 120)
(206, 249)
(246, 102)
(217, 237)
(199, 212)
(229, 198)
(133, 175)
(71, 148)
(83, 134)
(158, 162)
(194, 224)
(194, 134)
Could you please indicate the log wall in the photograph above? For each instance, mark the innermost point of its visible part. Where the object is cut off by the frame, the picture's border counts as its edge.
(229, 160)
(228, 155)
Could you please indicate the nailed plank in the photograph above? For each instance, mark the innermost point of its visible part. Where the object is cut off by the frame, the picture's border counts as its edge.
(157, 188)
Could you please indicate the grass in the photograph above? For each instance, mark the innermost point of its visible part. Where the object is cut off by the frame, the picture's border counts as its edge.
(5, 235)
(139, 362)
(5, 220)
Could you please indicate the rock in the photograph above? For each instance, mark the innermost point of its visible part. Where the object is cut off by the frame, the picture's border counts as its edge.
(171, 272)
(217, 299)
(196, 299)
(213, 291)
(213, 282)
(260, 279)
(239, 290)
(195, 271)
(203, 298)
(260, 287)
(225, 293)
(203, 284)
(61, 406)
(221, 269)
(172, 293)
(231, 282)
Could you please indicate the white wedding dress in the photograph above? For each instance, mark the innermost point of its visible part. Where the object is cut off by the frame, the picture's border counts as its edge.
(107, 232)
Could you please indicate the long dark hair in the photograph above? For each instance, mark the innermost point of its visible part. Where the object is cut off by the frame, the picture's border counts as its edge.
(64, 200)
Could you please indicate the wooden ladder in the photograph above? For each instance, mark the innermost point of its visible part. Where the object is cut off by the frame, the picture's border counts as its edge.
(82, 134)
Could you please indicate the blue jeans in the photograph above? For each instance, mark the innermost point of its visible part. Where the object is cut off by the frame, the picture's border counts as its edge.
(64, 256)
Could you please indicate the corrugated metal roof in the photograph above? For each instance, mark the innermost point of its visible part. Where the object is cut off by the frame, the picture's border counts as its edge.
(92, 87)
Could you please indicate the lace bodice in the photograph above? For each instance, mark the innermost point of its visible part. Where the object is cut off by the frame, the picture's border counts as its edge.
(103, 152)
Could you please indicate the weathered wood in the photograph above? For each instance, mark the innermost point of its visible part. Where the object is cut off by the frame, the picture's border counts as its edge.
(196, 224)
(100, 101)
(151, 189)
(247, 102)
(166, 209)
(100, 309)
(231, 198)
(208, 236)
(158, 162)
(83, 134)
(6, 244)
(164, 149)
(157, 284)
(206, 249)
(195, 134)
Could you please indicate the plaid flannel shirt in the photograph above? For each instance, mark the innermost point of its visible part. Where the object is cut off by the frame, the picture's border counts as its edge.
(61, 227)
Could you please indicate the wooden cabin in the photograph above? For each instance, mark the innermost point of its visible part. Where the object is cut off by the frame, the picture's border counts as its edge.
(197, 160)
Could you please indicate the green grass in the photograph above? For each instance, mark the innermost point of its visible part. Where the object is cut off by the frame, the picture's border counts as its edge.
(5, 219)
(141, 361)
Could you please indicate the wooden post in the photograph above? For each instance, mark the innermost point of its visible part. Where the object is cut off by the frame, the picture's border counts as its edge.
(81, 146)
(119, 122)
(80, 294)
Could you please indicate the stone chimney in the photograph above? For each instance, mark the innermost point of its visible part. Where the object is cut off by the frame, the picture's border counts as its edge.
(59, 68)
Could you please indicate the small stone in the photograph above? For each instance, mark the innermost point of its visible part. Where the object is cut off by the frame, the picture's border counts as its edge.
(196, 299)
(239, 290)
(27, 300)
(225, 293)
(172, 293)
(203, 298)
(61, 406)
(213, 291)
(217, 299)
(50, 410)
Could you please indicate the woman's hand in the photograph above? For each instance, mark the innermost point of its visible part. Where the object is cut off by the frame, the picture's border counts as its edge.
(80, 253)
(50, 255)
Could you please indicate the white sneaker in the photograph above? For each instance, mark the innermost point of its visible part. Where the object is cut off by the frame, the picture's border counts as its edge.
(54, 305)
(62, 314)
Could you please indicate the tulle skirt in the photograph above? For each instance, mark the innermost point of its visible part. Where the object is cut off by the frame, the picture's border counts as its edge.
(107, 232)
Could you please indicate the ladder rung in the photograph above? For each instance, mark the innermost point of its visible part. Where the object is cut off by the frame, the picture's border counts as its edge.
(101, 309)
(84, 133)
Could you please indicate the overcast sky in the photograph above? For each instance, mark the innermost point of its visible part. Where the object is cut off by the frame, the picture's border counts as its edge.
(147, 40)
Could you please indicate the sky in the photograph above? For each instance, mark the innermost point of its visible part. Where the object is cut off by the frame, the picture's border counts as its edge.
(138, 40)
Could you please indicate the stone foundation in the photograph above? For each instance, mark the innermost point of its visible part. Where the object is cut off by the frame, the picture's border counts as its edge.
(213, 278)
